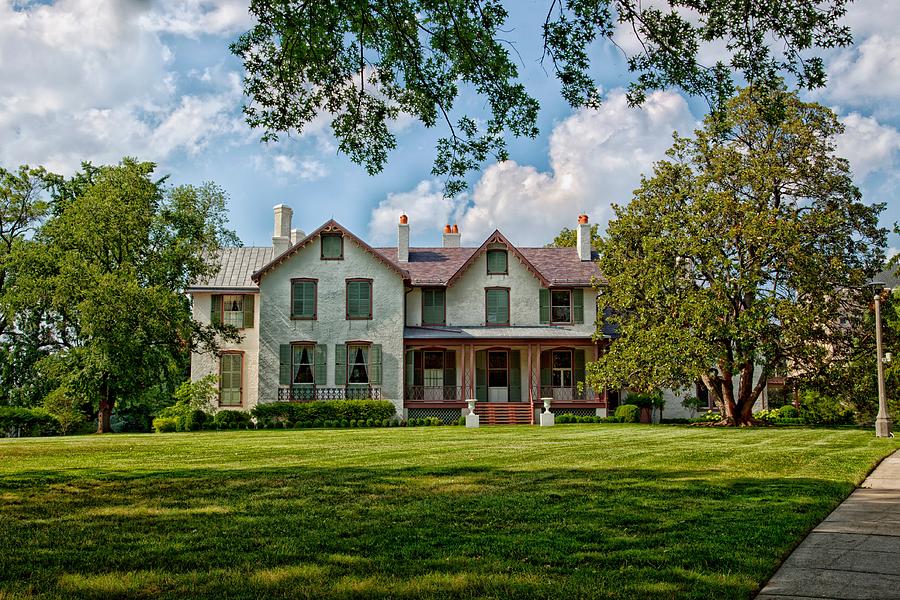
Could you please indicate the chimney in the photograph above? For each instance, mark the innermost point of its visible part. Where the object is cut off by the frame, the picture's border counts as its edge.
(281, 238)
(403, 239)
(451, 236)
(297, 235)
(583, 243)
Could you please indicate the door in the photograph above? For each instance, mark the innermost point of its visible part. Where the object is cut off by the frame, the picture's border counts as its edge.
(498, 375)
(433, 376)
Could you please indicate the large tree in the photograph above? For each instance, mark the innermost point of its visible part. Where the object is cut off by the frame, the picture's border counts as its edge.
(108, 272)
(363, 63)
(747, 250)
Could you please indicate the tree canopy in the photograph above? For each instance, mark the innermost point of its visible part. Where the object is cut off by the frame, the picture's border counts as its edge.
(747, 250)
(363, 63)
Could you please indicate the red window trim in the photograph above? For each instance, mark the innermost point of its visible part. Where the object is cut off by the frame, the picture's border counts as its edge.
(347, 299)
(508, 307)
(221, 354)
(444, 318)
(322, 246)
(315, 283)
(487, 268)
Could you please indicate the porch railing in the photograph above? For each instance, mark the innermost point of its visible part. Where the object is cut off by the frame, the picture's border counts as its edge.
(309, 394)
(566, 394)
(434, 393)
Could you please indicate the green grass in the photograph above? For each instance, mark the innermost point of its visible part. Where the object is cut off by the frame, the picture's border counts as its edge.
(576, 511)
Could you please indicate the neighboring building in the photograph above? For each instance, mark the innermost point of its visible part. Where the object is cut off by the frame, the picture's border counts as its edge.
(328, 316)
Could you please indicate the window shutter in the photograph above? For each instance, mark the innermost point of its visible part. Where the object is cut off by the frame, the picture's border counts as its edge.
(515, 376)
(450, 368)
(481, 375)
(284, 370)
(544, 301)
(504, 306)
(321, 374)
(340, 364)
(579, 365)
(215, 310)
(545, 368)
(248, 311)
(578, 305)
(375, 364)
(410, 367)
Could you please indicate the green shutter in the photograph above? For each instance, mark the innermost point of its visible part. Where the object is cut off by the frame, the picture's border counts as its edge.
(340, 364)
(450, 368)
(375, 364)
(432, 307)
(410, 367)
(284, 370)
(496, 261)
(544, 301)
(497, 306)
(215, 310)
(578, 305)
(481, 375)
(515, 376)
(579, 366)
(545, 368)
(321, 373)
(504, 306)
(248, 311)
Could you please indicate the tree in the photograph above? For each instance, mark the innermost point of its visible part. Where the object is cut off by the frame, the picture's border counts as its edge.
(749, 248)
(365, 62)
(568, 238)
(109, 271)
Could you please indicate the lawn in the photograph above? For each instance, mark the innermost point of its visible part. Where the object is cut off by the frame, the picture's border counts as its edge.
(576, 511)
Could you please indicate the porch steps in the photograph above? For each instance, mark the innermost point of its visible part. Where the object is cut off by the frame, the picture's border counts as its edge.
(504, 413)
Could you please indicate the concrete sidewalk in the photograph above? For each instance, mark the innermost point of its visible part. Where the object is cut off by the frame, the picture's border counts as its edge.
(855, 552)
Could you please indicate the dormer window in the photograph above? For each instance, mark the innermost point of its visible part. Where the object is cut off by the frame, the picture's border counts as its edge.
(332, 246)
(497, 262)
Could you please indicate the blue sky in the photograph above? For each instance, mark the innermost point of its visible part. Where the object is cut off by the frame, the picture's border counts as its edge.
(100, 79)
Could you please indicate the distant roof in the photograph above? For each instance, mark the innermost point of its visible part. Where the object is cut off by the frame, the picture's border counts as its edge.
(436, 266)
(889, 278)
(237, 265)
(491, 332)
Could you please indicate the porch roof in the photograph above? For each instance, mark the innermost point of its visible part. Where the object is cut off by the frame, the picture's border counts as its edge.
(493, 333)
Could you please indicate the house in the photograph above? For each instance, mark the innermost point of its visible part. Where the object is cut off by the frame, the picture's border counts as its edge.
(327, 316)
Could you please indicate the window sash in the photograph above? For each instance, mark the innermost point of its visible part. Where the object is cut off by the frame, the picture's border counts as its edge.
(560, 306)
(303, 302)
(359, 299)
(433, 306)
(358, 365)
(233, 310)
(497, 261)
(303, 365)
(497, 307)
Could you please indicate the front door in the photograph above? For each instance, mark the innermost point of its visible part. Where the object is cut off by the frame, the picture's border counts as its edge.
(498, 375)
(433, 375)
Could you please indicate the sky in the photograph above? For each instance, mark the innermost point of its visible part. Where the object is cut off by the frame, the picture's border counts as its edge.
(96, 80)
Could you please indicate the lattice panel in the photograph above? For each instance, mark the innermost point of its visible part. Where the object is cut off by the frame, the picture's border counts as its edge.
(447, 415)
(578, 412)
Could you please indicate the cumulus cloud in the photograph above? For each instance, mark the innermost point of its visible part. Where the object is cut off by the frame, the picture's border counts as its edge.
(596, 158)
(287, 167)
(199, 17)
(870, 146)
(427, 208)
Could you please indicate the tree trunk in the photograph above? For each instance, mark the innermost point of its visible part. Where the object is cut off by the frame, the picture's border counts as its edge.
(106, 406)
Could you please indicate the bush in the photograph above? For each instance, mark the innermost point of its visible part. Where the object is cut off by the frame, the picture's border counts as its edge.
(324, 410)
(165, 424)
(66, 408)
(231, 419)
(461, 420)
(675, 421)
(27, 422)
(628, 413)
(819, 409)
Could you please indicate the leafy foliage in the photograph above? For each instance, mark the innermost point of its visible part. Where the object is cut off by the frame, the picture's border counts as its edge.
(275, 413)
(628, 413)
(748, 249)
(364, 63)
(26, 422)
(568, 238)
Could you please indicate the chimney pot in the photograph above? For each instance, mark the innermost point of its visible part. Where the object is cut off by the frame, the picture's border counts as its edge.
(404, 219)
(447, 228)
(582, 219)
(455, 228)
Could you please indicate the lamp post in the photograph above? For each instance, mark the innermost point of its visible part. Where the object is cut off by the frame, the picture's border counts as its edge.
(883, 420)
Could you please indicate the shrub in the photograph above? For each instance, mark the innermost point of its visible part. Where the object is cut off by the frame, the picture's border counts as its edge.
(324, 410)
(27, 422)
(165, 424)
(385, 422)
(231, 419)
(66, 408)
(345, 423)
(675, 421)
(628, 413)
(352, 422)
(788, 412)
(461, 420)
(819, 409)
(693, 404)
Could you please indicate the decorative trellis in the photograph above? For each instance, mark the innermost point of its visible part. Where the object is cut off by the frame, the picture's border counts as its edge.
(309, 394)
(578, 412)
(447, 415)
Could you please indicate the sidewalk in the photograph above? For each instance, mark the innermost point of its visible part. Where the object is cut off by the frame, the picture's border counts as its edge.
(855, 552)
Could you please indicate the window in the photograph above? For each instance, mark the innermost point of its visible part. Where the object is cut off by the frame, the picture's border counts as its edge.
(332, 246)
(357, 365)
(433, 306)
(497, 262)
(497, 367)
(359, 299)
(560, 306)
(303, 299)
(561, 369)
(233, 311)
(230, 375)
(496, 301)
(303, 364)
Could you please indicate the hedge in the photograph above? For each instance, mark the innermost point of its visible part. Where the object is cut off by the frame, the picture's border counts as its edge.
(628, 413)
(273, 414)
(27, 422)
(165, 424)
(232, 419)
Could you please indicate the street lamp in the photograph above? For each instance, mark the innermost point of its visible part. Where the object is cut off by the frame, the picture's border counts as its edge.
(883, 420)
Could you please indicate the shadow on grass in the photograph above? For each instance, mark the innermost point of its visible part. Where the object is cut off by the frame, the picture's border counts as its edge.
(404, 533)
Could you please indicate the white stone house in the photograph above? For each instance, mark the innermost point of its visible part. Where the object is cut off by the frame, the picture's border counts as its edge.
(327, 316)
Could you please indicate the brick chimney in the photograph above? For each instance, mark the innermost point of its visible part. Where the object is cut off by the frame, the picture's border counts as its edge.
(451, 236)
(281, 238)
(583, 243)
(403, 239)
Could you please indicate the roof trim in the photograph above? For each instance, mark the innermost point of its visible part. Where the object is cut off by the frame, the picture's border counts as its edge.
(329, 226)
(200, 289)
(498, 237)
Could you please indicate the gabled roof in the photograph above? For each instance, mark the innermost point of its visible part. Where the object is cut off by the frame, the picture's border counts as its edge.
(331, 226)
(235, 267)
(496, 238)
(889, 277)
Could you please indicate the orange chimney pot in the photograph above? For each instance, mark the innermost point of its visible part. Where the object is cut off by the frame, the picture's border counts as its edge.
(582, 218)
(455, 228)
(404, 219)
(447, 228)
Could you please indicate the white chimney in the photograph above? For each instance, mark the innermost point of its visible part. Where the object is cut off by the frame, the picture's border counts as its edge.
(281, 238)
(403, 239)
(583, 244)
(297, 235)
(451, 236)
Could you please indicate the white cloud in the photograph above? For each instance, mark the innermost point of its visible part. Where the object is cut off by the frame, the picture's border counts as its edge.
(596, 158)
(199, 17)
(869, 145)
(867, 72)
(428, 211)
